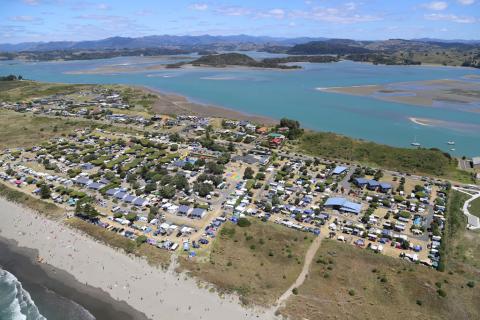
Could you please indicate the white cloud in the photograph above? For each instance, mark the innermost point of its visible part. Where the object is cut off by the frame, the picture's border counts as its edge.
(234, 11)
(345, 14)
(450, 17)
(199, 6)
(273, 13)
(23, 18)
(466, 2)
(103, 6)
(436, 5)
(31, 2)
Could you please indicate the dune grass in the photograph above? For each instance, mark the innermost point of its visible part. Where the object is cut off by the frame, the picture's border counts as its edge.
(259, 262)
(47, 209)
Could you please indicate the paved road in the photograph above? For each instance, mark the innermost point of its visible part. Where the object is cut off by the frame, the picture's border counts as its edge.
(309, 256)
(473, 221)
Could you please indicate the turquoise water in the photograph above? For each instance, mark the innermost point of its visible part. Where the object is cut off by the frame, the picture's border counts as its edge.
(293, 94)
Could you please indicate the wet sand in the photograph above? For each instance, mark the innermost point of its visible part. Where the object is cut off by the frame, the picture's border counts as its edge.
(419, 93)
(172, 104)
(160, 294)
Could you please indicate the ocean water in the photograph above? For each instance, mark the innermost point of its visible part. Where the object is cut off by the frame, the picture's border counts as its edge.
(295, 94)
(15, 302)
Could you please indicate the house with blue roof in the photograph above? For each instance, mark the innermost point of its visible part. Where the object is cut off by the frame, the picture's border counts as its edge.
(343, 205)
(183, 210)
(198, 213)
(360, 182)
(385, 187)
(112, 192)
(140, 202)
(373, 185)
(339, 170)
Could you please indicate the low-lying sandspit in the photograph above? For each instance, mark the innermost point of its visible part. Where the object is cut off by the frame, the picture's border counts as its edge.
(160, 294)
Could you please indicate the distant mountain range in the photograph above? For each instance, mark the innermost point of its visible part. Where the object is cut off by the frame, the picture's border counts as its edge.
(191, 42)
(116, 43)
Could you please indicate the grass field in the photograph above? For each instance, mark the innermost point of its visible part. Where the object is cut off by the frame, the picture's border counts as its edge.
(22, 129)
(346, 282)
(15, 91)
(475, 207)
(418, 161)
(462, 247)
(258, 262)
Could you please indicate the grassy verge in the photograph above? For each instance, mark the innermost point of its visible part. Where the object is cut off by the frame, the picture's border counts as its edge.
(346, 282)
(460, 247)
(475, 207)
(22, 90)
(47, 209)
(154, 256)
(258, 262)
(418, 161)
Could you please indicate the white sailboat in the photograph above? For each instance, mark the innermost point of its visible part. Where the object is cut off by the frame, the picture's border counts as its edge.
(415, 143)
(451, 143)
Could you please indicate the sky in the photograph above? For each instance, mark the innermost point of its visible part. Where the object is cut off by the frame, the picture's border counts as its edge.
(74, 20)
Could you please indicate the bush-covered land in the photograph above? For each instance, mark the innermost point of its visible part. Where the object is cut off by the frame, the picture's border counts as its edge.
(418, 161)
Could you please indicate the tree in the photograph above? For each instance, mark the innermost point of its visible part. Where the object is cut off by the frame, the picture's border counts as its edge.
(231, 146)
(167, 191)
(150, 187)
(131, 216)
(152, 214)
(141, 239)
(180, 182)
(45, 192)
(248, 173)
(85, 209)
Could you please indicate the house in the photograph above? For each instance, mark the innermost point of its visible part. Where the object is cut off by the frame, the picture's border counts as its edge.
(95, 186)
(262, 130)
(360, 182)
(129, 198)
(344, 205)
(372, 185)
(184, 210)
(476, 162)
(83, 181)
(140, 202)
(198, 213)
(339, 170)
(385, 187)
(112, 192)
(248, 159)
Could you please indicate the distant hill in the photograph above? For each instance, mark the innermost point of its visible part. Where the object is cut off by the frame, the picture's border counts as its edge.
(154, 42)
(233, 59)
(328, 47)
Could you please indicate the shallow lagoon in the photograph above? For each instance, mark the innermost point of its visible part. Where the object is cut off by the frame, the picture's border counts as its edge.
(294, 94)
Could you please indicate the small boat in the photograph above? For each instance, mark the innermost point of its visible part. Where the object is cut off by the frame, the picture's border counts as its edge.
(453, 149)
(451, 143)
(415, 143)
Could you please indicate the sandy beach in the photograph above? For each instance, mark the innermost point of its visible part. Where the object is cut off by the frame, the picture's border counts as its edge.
(160, 294)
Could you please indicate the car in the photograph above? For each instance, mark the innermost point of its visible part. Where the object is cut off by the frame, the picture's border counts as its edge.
(203, 241)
